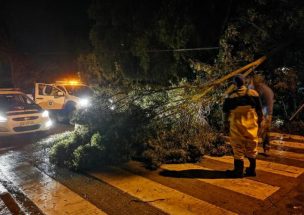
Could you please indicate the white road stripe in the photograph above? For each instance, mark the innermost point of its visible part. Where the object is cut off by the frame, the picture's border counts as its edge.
(285, 154)
(276, 168)
(51, 197)
(165, 198)
(5, 149)
(286, 136)
(294, 145)
(244, 186)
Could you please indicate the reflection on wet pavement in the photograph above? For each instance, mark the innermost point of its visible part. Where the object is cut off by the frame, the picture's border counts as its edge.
(50, 196)
(18, 167)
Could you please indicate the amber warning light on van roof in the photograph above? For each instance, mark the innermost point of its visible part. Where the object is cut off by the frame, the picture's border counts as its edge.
(69, 82)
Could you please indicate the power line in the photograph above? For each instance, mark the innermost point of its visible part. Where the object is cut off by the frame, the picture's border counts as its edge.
(129, 51)
(183, 50)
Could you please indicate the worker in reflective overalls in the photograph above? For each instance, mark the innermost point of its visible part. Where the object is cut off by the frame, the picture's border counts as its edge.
(243, 117)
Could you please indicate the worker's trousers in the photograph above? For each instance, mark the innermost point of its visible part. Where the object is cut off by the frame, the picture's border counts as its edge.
(244, 148)
(244, 134)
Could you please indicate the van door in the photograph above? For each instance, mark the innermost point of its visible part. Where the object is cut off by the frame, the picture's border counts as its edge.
(49, 97)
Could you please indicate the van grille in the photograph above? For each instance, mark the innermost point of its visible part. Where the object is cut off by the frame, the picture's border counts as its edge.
(25, 118)
(21, 113)
(26, 128)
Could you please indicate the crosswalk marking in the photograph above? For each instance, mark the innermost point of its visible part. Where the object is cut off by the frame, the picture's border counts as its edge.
(285, 154)
(286, 136)
(4, 149)
(51, 197)
(55, 199)
(244, 186)
(276, 168)
(294, 145)
(165, 198)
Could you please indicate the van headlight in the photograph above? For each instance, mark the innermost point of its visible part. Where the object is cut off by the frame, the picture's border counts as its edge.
(45, 114)
(49, 124)
(84, 102)
(3, 118)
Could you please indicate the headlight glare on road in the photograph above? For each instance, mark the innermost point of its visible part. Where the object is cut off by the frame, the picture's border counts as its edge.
(45, 114)
(2, 118)
(84, 102)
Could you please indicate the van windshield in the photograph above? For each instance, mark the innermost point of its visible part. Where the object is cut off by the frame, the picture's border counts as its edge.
(79, 91)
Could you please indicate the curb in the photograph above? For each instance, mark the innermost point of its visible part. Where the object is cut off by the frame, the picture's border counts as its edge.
(9, 201)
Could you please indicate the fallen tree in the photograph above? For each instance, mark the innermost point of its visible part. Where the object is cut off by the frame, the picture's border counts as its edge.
(167, 125)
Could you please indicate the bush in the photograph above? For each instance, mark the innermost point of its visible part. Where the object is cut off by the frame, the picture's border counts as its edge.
(179, 144)
(291, 127)
(62, 149)
(219, 147)
(87, 156)
(103, 136)
(64, 146)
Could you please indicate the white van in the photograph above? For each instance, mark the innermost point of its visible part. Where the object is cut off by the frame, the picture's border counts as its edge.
(63, 97)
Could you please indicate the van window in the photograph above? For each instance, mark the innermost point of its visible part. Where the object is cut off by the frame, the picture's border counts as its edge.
(79, 91)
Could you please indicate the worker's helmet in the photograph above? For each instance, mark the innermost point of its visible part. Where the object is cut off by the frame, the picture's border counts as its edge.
(238, 80)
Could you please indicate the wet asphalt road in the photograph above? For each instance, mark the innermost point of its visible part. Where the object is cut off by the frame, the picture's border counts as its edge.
(21, 153)
(20, 147)
(18, 142)
(26, 172)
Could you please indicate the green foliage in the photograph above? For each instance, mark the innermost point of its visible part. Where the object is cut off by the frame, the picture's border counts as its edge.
(63, 147)
(127, 37)
(185, 142)
(91, 71)
(286, 83)
(256, 27)
(215, 117)
(294, 127)
(219, 147)
(87, 156)
(103, 136)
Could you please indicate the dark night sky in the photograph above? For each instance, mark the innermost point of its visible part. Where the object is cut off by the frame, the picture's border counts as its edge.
(49, 31)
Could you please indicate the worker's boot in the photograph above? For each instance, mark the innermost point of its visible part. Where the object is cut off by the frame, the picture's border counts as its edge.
(250, 171)
(238, 171)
